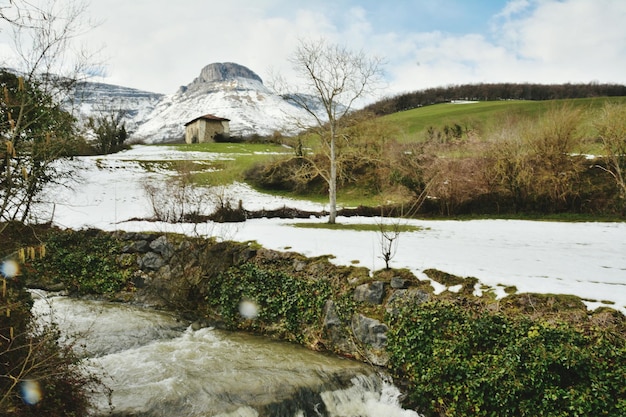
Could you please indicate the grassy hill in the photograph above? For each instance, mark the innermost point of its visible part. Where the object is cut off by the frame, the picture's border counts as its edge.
(483, 115)
(460, 179)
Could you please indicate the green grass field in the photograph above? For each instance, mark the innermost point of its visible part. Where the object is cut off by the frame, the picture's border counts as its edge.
(234, 148)
(234, 159)
(483, 115)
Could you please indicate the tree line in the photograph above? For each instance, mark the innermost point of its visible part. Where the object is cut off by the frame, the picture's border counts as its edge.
(493, 91)
(522, 165)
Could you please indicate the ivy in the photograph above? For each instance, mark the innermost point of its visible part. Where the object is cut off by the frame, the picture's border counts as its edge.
(84, 261)
(461, 362)
(285, 303)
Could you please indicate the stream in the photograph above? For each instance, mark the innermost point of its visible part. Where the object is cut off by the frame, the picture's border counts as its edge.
(158, 366)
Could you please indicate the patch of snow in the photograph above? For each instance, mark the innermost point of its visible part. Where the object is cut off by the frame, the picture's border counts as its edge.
(583, 259)
(455, 288)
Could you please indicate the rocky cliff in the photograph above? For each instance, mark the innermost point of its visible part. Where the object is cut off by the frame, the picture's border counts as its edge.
(219, 72)
(99, 99)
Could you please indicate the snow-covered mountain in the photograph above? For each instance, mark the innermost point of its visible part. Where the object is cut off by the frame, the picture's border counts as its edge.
(226, 90)
(99, 99)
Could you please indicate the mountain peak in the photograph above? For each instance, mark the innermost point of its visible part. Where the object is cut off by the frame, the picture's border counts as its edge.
(228, 90)
(223, 75)
(225, 71)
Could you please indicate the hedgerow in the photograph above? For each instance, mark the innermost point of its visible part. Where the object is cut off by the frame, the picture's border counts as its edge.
(460, 361)
(84, 261)
(285, 304)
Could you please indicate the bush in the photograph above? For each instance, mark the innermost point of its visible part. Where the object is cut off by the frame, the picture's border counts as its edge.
(84, 261)
(284, 304)
(463, 362)
(39, 374)
(293, 174)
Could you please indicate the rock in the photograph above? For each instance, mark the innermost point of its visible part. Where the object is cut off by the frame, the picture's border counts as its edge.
(164, 273)
(139, 246)
(246, 255)
(151, 261)
(372, 293)
(125, 236)
(199, 324)
(331, 318)
(299, 265)
(369, 331)
(223, 71)
(136, 236)
(138, 281)
(402, 298)
(162, 247)
(400, 283)
(336, 330)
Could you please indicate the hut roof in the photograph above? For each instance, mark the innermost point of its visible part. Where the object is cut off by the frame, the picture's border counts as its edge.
(208, 117)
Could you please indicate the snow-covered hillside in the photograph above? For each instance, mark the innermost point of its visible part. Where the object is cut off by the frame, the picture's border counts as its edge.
(226, 90)
(99, 99)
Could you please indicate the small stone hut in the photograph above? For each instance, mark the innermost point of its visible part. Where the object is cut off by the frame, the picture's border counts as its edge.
(205, 128)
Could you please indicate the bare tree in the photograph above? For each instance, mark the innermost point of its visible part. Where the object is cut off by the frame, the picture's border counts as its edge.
(35, 128)
(333, 79)
(175, 199)
(35, 131)
(109, 130)
(611, 126)
(388, 237)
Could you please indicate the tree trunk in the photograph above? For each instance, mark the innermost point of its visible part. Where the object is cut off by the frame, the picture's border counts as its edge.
(332, 183)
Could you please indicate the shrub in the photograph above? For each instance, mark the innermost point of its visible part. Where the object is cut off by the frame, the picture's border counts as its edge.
(462, 362)
(285, 304)
(84, 261)
(39, 374)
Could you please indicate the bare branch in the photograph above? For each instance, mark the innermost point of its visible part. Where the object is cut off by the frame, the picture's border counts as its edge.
(332, 80)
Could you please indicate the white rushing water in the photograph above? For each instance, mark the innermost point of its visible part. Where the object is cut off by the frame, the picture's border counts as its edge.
(158, 366)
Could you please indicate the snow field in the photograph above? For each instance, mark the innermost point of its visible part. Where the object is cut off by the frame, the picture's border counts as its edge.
(583, 259)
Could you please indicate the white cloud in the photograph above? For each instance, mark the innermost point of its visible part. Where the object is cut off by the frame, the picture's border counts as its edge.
(574, 40)
(161, 45)
(543, 41)
(512, 8)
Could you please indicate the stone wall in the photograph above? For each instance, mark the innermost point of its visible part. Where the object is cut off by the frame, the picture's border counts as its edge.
(205, 130)
(173, 272)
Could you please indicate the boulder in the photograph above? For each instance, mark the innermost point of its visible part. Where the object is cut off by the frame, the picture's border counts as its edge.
(335, 330)
(372, 293)
(161, 246)
(369, 331)
(400, 283)
(150, 261)
(136, 236)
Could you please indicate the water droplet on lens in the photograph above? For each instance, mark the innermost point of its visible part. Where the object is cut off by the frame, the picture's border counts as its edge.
(31, 392)
(248, 309)
(9, 269)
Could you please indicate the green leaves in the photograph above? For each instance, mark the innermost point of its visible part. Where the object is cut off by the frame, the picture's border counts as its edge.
(287, 304)
(82, 260)
(462, 362)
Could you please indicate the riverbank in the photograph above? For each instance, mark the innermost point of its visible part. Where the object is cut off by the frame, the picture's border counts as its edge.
(370, 316)
(156, 364)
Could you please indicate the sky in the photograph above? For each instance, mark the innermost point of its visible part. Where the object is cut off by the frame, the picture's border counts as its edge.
(159, 45)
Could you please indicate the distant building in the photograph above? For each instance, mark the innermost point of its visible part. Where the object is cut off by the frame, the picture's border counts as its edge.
(205, 128)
